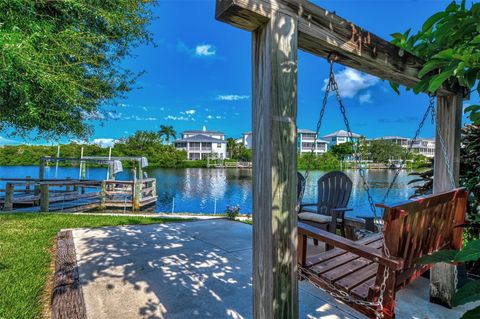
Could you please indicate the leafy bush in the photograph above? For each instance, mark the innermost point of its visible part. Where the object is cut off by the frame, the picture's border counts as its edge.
(471, 291)
(450, 43)
(232, 212)
(326, 161)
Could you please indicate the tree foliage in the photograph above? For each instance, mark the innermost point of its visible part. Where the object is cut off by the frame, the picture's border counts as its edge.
(168, 132)
(380, 151)
(60, 61)
(449, 41)
(341, 151)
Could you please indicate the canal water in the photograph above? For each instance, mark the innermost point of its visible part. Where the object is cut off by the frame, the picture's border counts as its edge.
(202, 190)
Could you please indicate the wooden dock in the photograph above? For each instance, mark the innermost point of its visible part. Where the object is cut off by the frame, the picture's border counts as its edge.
(69, 195)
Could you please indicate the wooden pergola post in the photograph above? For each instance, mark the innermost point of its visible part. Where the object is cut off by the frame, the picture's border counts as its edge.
(449, 119)
(274, 97)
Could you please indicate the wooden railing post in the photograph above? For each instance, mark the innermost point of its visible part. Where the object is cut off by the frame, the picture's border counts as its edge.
(274, 98)
(449, 121)
(137, 195)
(103, 194)
(67, 186)
(27, 184)
(44, 198)
(9, 191)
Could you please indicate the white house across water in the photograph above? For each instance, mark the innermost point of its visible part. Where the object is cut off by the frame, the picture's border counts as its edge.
(201, 144)
(305, 140)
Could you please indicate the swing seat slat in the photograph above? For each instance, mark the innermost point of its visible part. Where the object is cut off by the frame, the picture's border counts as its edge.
(411, 229)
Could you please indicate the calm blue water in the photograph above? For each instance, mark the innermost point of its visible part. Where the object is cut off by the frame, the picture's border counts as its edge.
(211, 190)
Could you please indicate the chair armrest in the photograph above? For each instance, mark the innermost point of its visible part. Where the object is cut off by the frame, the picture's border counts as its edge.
(308, 204)
(345, 209)
(350, 246)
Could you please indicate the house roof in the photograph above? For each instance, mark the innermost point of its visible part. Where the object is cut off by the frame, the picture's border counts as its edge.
(303, 130)
(202, 132)
(200, 138)
(342, 133)
(394, 137)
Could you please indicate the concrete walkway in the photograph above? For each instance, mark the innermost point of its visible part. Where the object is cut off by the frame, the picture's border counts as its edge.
(199, 269)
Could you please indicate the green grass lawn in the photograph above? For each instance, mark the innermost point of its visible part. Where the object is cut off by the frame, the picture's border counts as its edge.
(26, 242)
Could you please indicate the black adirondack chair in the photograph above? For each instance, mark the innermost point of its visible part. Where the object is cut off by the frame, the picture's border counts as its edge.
(300, 190)
(328, 212)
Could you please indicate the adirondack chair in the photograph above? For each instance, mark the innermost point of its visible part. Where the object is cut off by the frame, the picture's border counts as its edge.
(328, 212)
(300, 189)
(411, 229)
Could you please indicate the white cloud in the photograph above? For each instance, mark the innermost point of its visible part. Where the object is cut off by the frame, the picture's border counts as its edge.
(209, 117)
(139, 118)
(205, 50)
(104, 142)
(351, 81)
(365, 97)
(6, 141)
(232, 97)
(177, 118)
(190, 112)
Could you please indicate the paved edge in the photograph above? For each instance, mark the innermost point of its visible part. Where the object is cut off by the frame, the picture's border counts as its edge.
(67, 296)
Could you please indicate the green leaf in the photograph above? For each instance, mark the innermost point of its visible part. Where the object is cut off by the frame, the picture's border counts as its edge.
(472, 314)
(444, 54)
(394, 86)
(429, 66)
(468, 293)
(437, 80)
(432, 20)
(471, 252)
(476, 40)
(472, 108)
(397, 35)
(438, 256)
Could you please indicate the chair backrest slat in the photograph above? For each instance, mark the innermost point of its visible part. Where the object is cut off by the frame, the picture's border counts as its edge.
(334, 190)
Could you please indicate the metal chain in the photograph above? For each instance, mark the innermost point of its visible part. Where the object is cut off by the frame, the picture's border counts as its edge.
(408, 151)
(355, 145)
(319, 122)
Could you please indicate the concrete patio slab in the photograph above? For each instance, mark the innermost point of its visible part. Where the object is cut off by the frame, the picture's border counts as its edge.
(199, 269)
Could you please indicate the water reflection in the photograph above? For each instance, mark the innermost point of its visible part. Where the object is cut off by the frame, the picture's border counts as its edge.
(212, 190)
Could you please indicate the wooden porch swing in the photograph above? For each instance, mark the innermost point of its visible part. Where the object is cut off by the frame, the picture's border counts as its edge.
(367, 273)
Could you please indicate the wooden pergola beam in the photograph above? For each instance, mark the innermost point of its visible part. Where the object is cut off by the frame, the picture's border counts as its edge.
(321, 33)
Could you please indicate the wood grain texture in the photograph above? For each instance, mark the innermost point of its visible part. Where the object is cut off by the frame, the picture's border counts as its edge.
(321, 32)
(449, 115)
(67, 296)
(275, 289)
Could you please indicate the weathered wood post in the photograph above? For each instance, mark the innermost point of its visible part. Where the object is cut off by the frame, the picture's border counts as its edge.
(9, 191)
(83, 171)
(41, 175)
(44, 198)
(27, 184)
(275, 287)
(140, 169)
(449, 121)
(103, 194)
(67, 186)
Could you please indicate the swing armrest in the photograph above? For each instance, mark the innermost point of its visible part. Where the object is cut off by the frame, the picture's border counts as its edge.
(345, 244)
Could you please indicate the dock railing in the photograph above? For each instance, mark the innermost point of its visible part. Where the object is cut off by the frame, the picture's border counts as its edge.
(75, 195)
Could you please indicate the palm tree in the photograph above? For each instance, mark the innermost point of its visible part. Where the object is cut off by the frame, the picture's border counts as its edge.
(231, 147)
(167, 131)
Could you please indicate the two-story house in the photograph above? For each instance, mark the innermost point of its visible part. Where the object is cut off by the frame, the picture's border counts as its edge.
(305, 140)
(201, 144)
(340, 137)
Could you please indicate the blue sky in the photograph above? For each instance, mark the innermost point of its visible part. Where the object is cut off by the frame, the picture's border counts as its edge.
(200, 74)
